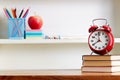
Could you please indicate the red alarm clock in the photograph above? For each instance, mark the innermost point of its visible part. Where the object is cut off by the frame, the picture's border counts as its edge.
(101, 39)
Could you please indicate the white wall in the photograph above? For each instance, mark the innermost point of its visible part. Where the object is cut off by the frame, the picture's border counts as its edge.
(52, 56)
(116, 12)
(61, 17)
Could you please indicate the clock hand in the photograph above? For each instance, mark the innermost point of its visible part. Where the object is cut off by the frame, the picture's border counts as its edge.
(95, 43)
(98, 35)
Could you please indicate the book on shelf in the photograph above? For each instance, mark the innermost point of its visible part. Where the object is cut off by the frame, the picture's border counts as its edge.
(100, 57)
(34, 34)
(101, 69)
(101, 63)
(34, 38)
(98, 63)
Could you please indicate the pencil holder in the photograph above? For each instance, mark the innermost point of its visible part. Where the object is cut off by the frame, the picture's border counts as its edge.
(16, 28)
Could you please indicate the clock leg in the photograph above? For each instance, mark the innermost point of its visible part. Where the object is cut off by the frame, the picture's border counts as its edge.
(107, 52)
(91, 53)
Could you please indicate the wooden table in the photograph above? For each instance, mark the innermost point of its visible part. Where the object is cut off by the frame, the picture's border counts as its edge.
(55, 75)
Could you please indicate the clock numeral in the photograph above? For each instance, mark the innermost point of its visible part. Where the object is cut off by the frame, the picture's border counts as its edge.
(103, 46)
(91, 40)
(96, 47)
(105, 36)
(107, 40)
(93, 44)
(99, 47)
(93, 36)
(105, 43)
(102, 33)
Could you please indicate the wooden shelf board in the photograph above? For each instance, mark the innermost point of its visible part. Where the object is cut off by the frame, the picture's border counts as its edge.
(68, 72)
(55, 75)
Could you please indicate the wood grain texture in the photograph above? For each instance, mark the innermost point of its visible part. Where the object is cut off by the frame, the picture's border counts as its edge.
(59, 77)
(56, 75)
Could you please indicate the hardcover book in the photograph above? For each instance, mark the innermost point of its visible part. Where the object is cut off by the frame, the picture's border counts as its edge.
(101, 63)
(98, 63)
(99, 57)
(101, 69)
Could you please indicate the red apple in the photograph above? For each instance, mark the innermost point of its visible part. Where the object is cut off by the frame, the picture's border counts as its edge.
(35, 22)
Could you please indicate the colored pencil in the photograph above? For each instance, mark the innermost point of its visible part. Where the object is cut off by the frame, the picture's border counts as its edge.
(21, 13)
(6, 13)
(13, 12)
(24, 16)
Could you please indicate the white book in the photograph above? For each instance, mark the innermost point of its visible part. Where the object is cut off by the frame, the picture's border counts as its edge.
(101, 63)
(101, 69)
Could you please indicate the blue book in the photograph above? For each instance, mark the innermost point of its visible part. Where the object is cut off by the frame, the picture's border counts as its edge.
(34, 33)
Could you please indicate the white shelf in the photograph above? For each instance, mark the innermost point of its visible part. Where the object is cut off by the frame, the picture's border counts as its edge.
(43, 41)
(117, 40)
(49, 41)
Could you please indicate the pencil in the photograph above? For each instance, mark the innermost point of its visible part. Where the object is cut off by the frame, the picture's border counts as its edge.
(24, 16)
(21, 13)
(13, 12)
(6, 13)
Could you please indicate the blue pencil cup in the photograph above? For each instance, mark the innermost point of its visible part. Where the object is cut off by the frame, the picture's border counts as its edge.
(16, 28)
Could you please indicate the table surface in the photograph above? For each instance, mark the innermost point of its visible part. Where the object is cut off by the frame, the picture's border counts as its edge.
(55, 75)
(58, 72)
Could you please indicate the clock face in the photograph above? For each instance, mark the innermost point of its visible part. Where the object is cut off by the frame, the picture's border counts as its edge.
(99, 40)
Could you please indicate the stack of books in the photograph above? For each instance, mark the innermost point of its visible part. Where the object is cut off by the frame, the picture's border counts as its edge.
(34, 34)
(98, 63)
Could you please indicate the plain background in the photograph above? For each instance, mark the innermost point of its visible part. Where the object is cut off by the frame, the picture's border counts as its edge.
(61, 17)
